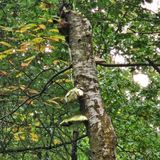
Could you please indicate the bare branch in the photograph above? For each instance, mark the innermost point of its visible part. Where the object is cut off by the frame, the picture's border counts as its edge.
(128, 65)
(31, 98)
(29, 149)
(155, 66)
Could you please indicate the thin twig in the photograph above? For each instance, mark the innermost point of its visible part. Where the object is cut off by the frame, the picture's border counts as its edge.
(155, 66)
(128, 65)
(29, 149)
(50, 81)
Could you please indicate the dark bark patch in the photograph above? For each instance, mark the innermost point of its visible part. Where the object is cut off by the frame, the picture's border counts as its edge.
(79, 40)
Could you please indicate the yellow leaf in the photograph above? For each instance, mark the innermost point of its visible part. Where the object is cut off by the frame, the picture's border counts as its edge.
(53, 100)
(29, 58)
(37, 124)
(21, 129)
(15, 129)
(24, 46)
(5, 44)
(27, 62)
(56, 141)
(36, 29)
(19, 136)
(9, 51)
(42, 26)
(34, 137)
(6, 52)
(2, 56)
(23, 50)
(8, 89)
(30, 102)
(58, 61)
(54, 30)
(22, 87)
(37, 40)
(19, 75)
(64, 81)
(43, 6)
(6, 28)
(32, 91)
(41, 48)
(50, 21)
(56, 38)
(26, 27)
(3, 73)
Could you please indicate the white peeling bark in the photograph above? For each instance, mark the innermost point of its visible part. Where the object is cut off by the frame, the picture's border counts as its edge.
(101, 133)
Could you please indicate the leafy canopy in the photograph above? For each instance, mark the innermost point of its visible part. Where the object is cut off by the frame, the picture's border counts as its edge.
(35, 76)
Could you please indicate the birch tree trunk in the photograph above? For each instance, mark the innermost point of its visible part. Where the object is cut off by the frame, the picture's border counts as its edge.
(100, 130)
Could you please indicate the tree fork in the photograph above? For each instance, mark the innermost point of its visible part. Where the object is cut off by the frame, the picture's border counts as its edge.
(99, 127)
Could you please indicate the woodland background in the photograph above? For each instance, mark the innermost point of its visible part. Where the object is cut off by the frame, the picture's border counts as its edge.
(35, 76)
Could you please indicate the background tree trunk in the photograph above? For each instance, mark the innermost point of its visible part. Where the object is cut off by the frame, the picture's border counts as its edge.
(100, 131)
(74, 145)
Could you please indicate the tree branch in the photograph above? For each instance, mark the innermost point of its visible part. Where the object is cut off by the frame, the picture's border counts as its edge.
(155, 66)
(29, 149)
(50, 81)
(128, 65)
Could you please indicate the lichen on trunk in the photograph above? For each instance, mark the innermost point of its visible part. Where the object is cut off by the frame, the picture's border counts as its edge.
(100, 130)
